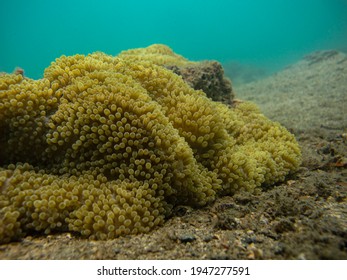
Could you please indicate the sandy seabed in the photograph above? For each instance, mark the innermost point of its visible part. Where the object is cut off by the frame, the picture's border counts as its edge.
(302, 218)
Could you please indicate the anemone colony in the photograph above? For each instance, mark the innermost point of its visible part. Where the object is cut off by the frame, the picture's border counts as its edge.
(106, 146)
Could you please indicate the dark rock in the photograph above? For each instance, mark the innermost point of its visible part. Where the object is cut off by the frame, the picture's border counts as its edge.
(226, 222)
(284, 225)
(250, 239)
(319, 56)
(181, 210)
(207, 76)
(182, 235)
(208, 238)
(187, 237)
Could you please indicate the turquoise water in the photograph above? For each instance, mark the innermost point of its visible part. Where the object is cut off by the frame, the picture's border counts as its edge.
(268, 33)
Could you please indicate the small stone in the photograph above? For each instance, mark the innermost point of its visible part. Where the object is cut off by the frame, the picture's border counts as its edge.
(185, 238)
(208, 238)
(116, 250)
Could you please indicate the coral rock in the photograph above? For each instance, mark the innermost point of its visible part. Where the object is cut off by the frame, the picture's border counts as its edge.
(207, 76)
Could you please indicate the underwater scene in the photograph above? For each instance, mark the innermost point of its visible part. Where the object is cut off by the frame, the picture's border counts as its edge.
(173, 129)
